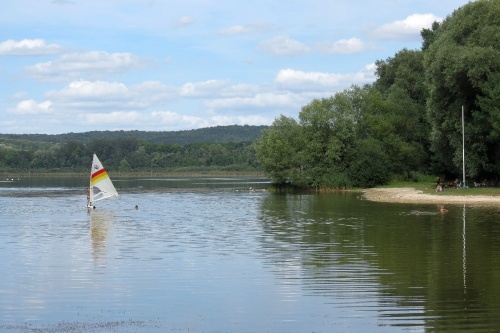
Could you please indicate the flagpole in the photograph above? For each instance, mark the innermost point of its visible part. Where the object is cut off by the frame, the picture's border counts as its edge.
(463, 148)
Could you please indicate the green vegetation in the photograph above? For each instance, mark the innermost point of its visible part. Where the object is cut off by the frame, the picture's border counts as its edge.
(130, 155)
(408, 122)
(217, 134)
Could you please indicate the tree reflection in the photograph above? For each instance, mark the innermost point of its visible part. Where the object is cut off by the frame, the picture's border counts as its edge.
(430, 270)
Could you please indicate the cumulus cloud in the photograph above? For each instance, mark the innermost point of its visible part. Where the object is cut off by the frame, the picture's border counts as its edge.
(169, 118)
(407, 29)
(104, 95)
(28, 47)
(323, 81)
(200, 89)
(343, 46)
(111, 105)
(283, 46)
(92, 64)
(94, 95)
(113, 118)
(31, 107)
(260, 100)
(93, 89)
(211, 88)
(242, 120)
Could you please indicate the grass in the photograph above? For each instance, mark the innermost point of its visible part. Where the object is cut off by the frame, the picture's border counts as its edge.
(430, 188)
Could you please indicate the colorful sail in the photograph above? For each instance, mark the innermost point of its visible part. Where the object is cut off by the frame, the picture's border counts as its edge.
(101, 186)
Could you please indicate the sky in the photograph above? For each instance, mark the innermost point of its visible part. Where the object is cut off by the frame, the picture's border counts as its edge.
(164, 65)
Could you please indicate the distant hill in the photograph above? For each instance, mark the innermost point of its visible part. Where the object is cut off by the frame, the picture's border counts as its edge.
(218, 134)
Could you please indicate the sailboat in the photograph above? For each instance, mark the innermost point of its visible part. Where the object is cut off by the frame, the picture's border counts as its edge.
(101, 186)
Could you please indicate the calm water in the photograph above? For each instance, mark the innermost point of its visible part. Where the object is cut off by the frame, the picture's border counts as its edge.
(211, 255)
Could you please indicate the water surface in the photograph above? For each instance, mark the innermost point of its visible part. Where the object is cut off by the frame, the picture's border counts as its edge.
(223, 255)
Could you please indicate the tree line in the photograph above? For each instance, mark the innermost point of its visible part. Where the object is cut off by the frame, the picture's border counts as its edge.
(216, 134)
(408, 122)
(132, 154)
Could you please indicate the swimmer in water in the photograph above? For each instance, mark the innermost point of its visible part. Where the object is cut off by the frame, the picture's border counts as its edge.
(442, 209)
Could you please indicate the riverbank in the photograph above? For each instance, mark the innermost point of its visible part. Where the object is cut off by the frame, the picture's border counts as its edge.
(414, 196)
(5, 175)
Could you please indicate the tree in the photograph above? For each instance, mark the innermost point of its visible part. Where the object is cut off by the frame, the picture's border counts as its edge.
(329, 126)
(124, 166)
(279, 151)
(316, 152)
(404, 70)
(462, 65)
(370, 165)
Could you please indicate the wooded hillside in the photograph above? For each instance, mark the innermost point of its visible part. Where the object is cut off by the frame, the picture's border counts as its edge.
(218, 134)
(228, 148)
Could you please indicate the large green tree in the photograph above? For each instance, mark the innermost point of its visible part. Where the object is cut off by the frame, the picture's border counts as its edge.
(280, 152)
(462, 61)
(330, 130)
(395, 112)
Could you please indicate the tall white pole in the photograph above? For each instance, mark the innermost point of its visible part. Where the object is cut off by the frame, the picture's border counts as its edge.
(463, 147)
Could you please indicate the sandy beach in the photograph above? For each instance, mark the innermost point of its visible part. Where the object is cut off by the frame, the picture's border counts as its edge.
(411, 195)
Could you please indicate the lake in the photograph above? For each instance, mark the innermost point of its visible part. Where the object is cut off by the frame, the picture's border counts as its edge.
(224, 255)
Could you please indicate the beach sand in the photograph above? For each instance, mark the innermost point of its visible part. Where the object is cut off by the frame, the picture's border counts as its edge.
(411, 195)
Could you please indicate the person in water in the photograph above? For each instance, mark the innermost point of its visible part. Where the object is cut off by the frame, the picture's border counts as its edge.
(136, 207)
(442, 209)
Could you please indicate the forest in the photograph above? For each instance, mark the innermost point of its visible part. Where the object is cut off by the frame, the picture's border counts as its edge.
(216, 134)
(408, 123)
(222, 148)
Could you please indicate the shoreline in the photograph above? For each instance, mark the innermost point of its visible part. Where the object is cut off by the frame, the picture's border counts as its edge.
(412, 196)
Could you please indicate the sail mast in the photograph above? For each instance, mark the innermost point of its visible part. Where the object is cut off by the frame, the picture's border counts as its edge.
(463, 148)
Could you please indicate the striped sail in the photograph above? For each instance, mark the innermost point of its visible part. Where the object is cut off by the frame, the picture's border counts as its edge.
(101, 186)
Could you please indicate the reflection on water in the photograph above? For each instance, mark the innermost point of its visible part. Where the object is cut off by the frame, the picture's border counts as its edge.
(413, 270)
(236, 259)
(99, 224)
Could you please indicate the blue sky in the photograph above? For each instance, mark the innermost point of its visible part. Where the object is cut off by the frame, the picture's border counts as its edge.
(162, 65)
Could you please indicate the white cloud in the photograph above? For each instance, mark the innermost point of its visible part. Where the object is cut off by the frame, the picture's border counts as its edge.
(183, 21)
(28, 47)
(91, 89)
(200, 89)
(343, 46)
(242, 120)
(323, 81)
(407, 29)
(244, 29)
(260, 100)
(31, 107)
(102, 95)
(154, 91)
(211, 88)
(283, 46)
(93, 64)
(171, 119)
(115, 105)
(111, 118)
